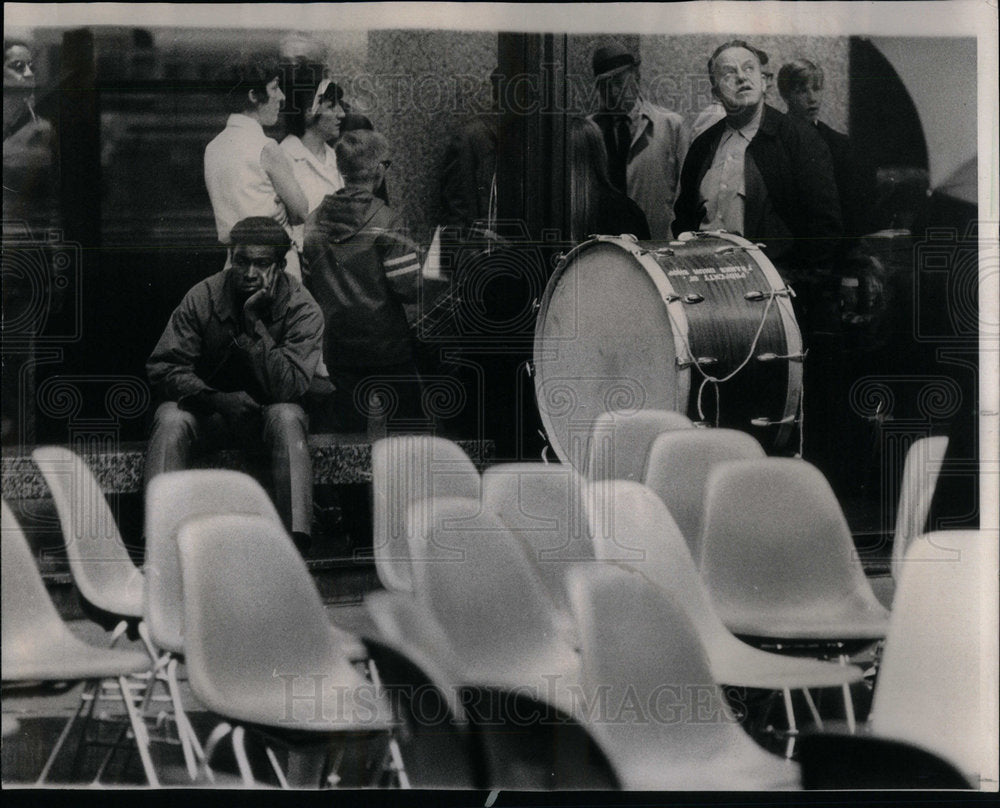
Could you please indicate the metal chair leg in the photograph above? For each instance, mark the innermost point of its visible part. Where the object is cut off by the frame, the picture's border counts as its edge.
(817, 720)
(184, 730)
(282, 781)
(848, 702)
(139, 731)
(239, 749)
(62, 739)
(793, 729)
(395, 756)
(221, 730)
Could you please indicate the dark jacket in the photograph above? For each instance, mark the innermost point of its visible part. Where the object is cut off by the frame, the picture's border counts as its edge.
(615, 214)
(801, 224)
(202, 350)
(470, 163)
(855, 185)
(361, 268)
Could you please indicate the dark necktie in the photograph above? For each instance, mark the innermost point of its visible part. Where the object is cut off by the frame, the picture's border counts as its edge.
(617, 139)
(623, 139)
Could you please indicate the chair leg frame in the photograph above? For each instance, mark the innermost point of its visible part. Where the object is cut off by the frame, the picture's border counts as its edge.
(86, 708)
(793, 729)
(64, 735)
(396, 765)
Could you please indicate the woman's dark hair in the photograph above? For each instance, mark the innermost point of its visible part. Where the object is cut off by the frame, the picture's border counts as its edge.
(588, 176)
(301, 79)
(244, 75)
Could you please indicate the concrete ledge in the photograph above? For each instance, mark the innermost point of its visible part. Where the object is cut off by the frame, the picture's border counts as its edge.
(338, 458)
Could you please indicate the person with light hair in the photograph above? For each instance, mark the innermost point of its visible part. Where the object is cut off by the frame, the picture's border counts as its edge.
(362, 268)
(801, 84)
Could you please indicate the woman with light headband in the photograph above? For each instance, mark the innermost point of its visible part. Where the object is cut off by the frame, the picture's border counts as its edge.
(313, 117)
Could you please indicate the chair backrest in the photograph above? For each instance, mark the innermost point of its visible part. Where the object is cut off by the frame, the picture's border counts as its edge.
(256, 631)
(171, 499)
(486, 595)
(619, 442)
(774, 536)
(406, 469)
(438, 743)
(930, 689)
(655, 702)
(836, 762)
(101, 566)
(677, 470)
(530, 744)
(920, 475)
(640, 534)
(543, 505)
(29, 616)
(405, 623)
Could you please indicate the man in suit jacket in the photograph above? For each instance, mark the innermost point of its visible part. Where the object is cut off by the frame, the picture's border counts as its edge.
(763, 175)
(645, 143)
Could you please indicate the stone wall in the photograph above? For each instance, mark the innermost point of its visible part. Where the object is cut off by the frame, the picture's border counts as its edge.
(418, 87)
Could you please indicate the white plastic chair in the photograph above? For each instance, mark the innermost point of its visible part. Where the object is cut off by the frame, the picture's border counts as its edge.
(665, 723)
(619, 442)
(677, 470)
(407, 469)
(38, 647)
(939, 649)
(645, 538)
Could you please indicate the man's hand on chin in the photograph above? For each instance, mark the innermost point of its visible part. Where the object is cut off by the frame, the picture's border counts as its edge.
(254, 308)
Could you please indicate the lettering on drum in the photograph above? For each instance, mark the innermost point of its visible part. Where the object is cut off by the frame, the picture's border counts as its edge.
(733, 273)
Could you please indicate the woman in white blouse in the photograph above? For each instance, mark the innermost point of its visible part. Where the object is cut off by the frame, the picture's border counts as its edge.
(313, 117)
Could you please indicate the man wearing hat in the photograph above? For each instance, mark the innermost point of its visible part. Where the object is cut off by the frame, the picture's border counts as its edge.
(645, 143)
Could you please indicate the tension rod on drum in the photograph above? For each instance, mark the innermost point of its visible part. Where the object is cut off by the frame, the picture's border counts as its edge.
(690, 298)
(756, 295)
(790, 419)
(773, 357)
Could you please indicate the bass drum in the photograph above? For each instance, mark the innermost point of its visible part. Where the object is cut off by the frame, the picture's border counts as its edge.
(703, 326)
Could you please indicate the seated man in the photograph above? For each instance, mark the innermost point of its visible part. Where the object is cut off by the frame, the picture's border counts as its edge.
(362, 268)
(237, 355)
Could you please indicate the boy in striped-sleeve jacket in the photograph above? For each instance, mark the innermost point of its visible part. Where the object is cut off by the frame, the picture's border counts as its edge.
(361, 268)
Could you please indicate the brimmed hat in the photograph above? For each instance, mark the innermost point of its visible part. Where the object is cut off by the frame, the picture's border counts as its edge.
(612, 58)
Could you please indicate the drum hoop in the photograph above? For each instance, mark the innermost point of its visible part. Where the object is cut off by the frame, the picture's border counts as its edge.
(793, 336)
(676, 316)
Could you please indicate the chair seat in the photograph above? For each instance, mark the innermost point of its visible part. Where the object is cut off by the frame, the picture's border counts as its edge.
(549, 677)
(736, 663)
(331, 695)
(62, 657)
(849, 619)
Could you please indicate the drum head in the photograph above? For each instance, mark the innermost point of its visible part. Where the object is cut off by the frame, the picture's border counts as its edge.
(603, 343)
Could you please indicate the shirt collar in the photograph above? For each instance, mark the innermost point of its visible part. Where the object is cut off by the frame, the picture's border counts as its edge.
(297, 151)
(749, 129)
(638, 112)
(241, 121)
